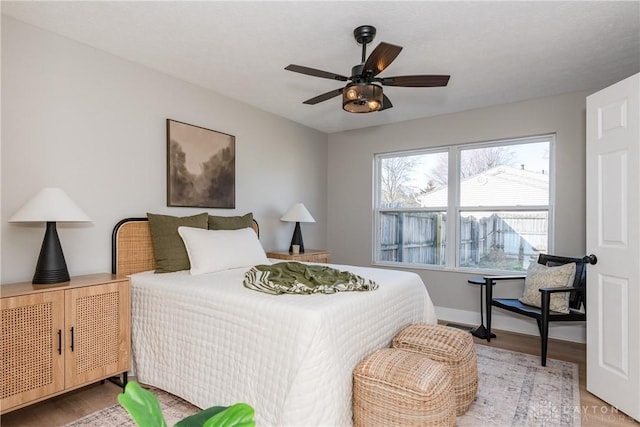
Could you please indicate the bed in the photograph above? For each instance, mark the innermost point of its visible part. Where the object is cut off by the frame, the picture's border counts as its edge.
(211, 341)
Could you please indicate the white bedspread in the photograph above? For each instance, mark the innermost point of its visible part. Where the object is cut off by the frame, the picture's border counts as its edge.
(213, 342)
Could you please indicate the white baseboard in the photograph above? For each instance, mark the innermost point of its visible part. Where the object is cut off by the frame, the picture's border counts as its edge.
(567, 331)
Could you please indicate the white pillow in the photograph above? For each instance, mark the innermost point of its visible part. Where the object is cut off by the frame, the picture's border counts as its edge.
(215, 250)
(541, 276)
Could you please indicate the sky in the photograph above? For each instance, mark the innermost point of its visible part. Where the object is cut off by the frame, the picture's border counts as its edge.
(534, 157)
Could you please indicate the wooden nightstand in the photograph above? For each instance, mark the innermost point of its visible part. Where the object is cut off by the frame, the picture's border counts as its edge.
(310, 255)
(58, 338)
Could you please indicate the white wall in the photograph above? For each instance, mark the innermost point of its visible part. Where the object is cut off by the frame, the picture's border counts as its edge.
(350, 177)
(94, 124)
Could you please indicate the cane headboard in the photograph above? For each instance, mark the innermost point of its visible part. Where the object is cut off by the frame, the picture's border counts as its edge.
(132, 249)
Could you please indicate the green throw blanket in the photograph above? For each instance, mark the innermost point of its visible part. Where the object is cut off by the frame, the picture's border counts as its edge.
(298, 278)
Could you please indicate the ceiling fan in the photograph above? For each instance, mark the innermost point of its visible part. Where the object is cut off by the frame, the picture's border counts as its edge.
(364, 93)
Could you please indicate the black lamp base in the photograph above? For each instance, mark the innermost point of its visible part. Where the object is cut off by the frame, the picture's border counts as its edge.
(296, 239)
(51, 267)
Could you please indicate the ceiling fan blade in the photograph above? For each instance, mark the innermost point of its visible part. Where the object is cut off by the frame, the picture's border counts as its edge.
(381, 57)
(324, 96)
(386, 103)
(415, 81)
(316, 73)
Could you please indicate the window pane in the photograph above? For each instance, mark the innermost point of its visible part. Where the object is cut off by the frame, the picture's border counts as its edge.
(506, 175)
(412, 237)
(497, 205)
(502, 240)
(405, 179)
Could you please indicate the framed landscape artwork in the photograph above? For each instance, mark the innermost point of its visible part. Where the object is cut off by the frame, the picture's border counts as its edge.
(201, 167)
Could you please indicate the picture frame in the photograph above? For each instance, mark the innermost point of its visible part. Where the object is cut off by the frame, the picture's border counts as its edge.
(200, 167)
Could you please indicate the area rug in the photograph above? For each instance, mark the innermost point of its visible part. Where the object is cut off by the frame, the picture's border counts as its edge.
(513, 390)
(174, 409)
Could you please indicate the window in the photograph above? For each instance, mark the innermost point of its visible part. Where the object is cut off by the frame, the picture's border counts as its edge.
(479, 206)
(409, 232)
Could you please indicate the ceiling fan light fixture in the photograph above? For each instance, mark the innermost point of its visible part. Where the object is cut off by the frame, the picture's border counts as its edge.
(362, 95)
(362, 98)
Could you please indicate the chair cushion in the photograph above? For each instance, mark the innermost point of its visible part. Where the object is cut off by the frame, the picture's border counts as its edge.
(541, 276)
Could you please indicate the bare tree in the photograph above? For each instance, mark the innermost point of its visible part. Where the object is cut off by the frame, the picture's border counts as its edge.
(439, 175)
(396, 172)
(473, 162)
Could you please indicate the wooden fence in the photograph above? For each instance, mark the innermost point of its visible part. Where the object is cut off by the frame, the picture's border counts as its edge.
(413, 237)
(503, 240)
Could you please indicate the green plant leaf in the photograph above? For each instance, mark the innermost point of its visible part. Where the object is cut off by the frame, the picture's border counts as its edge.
(198, 420)
(142, 405)
(238, 415)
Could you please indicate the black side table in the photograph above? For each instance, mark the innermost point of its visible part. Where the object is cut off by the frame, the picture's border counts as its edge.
(481, 331)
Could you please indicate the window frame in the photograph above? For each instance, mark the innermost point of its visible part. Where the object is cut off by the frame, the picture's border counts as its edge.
(454, 209)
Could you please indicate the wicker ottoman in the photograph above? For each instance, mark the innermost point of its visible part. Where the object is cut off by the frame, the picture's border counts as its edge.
(393, 387)
(450, 346)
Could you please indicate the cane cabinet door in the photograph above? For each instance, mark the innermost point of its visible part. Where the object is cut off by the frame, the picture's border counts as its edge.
(97, 328)
(32, 354)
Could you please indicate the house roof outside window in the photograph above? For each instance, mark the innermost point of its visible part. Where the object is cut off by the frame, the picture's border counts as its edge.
(498, 186)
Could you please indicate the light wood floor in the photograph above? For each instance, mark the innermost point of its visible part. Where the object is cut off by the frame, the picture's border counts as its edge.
(69, 407)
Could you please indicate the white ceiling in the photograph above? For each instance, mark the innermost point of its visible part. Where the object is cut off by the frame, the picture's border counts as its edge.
(495, 52)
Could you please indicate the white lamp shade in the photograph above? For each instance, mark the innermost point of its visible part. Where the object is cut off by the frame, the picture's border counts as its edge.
(50, 205)
(297, 213)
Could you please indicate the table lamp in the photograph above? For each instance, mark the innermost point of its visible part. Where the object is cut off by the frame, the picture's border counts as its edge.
(50, 205)
(297, 213)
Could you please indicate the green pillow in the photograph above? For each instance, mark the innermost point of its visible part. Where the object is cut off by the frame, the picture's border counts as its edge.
(230, 222)
(168, 247)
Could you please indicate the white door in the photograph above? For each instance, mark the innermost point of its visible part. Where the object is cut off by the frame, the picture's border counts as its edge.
(613, 235)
